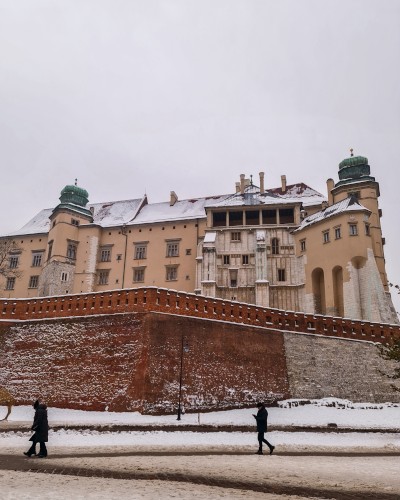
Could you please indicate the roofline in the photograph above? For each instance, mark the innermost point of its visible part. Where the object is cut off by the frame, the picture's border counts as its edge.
(363, 209)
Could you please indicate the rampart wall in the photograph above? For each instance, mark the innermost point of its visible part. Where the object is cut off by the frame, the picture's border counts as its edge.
(121, 351)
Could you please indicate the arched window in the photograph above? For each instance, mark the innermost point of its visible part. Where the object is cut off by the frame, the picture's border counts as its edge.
(275, 246)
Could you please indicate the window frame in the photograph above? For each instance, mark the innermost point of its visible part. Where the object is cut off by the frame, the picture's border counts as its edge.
(137, 273)
(35, 256)
(105, 255)
(338, 230)
(226, 259)
(10, 283)
(236, 233)
(353, 225)
(172, 249)
(303, 245)
(104, 277)
(245, 260)
(72, 250)
(326, 236)
(34, 281)
(13, 261)
(275, 247)
(281, 273)
(174, 271)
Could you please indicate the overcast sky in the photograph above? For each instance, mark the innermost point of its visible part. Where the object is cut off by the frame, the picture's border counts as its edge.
(132, 96)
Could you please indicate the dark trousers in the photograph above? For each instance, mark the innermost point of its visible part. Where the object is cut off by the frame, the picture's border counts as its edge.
(43, 449)
(262, 440)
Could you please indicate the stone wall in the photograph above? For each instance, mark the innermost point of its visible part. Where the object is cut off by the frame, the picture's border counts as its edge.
(50, 279)
(321, 367)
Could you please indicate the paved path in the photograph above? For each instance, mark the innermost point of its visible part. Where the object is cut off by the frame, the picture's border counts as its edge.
(41, 466)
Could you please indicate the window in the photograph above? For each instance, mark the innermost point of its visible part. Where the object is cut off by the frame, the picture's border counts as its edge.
(245, 260)
(353, 230)
(226, 260)
(219, 219)
(338, 233)
(103, 278)
(50, 250)
(269, 216)
(252, 218)
(54, 223)
(10, 283)
(14, 260)
(33, 281)
(326, 237)
(236, 218)
(119, 256)
(64, 277)
(105, 256)
(187, 277)
(138, 275)
(188, 251)
(356, 194)
(74, 222)
(172, 273)
(303, 245)
(286, 216)
(367, 230)
(172, 250)
(275, 246)
(37, 259)
(281, 275)
(233, 278)
(140, 252)
(235, 236)
(71, 251)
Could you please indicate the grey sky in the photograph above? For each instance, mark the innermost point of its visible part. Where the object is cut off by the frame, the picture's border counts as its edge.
(185, 95)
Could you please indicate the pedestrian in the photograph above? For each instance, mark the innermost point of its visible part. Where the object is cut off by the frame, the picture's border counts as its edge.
(261, 418)
(41, 428)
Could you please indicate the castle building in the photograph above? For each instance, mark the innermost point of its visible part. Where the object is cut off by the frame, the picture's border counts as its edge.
(288, 247)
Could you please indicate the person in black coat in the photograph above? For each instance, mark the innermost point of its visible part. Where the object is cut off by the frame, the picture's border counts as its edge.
(261, 418)
(41, 428)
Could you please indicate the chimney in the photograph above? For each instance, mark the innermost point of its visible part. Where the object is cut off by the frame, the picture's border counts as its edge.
(330, 184)
(242, 183)
(283, 179)
(261, 182)
(174, 198)
(237, 184)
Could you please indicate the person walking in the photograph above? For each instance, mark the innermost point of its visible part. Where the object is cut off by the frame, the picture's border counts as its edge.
(41, 428)
(261, 419)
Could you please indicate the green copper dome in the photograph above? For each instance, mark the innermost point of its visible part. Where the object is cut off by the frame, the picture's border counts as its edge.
(354, 169)
(74, 194)
(354, 160)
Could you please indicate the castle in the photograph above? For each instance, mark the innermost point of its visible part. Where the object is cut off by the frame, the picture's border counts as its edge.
(288, 248)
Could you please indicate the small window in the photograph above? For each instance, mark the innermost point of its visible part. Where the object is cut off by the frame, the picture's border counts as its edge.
(138, 275)
(303, 245)
(326, 237)
(236, 218)
(338, 233)
(74, 222)
(187, 277)
(252, 218)
(103, 278)
(105, 256)
(235, 236)
(245, 260)
(233, 283)
(10, 283)
(50, 251)
(33, 281)
(269, 216)
(353, 230)
(188, 251)
(140, 252)
(172, 250)
(71, 252)
(219, 219)
(233, 278)
(281, 275)
(54, 223)
(64, 277)
(14, 260)
(37, 259)
(172, 273)
(367, 230)
(286, 216)
(226, 260)
(119, 256)
(275, 246)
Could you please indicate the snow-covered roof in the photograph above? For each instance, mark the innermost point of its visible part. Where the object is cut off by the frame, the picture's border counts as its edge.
(350, 204)
(181, 210)
(117, 213)
(295, 193)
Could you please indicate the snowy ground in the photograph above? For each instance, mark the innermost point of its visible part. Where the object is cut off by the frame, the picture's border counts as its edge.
(25, 486)
(308, 415)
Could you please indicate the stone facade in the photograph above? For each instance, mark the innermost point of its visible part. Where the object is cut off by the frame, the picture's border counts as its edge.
(57, 278)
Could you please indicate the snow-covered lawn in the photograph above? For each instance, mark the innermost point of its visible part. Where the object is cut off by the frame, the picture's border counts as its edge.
(309, 415)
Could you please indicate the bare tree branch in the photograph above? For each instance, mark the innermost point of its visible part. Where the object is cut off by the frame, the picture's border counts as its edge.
(8, 247)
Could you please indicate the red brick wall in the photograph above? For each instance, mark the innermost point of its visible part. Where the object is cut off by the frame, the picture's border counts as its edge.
(130, 362)
(183, 304)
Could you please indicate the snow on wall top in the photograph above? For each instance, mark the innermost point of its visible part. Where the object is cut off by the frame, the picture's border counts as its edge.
(350, 204)
(295, 193)
(117, 213)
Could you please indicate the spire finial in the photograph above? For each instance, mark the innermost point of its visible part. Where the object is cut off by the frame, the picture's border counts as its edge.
(251, 179)
(76, 182)
(351, 152)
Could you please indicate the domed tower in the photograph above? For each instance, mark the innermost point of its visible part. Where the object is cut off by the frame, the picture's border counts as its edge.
(63, 242)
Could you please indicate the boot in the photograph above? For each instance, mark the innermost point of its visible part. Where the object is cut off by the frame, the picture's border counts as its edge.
(259, 452)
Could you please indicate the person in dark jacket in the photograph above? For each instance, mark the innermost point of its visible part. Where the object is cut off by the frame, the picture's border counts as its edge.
(41, 428)
(261, 418)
